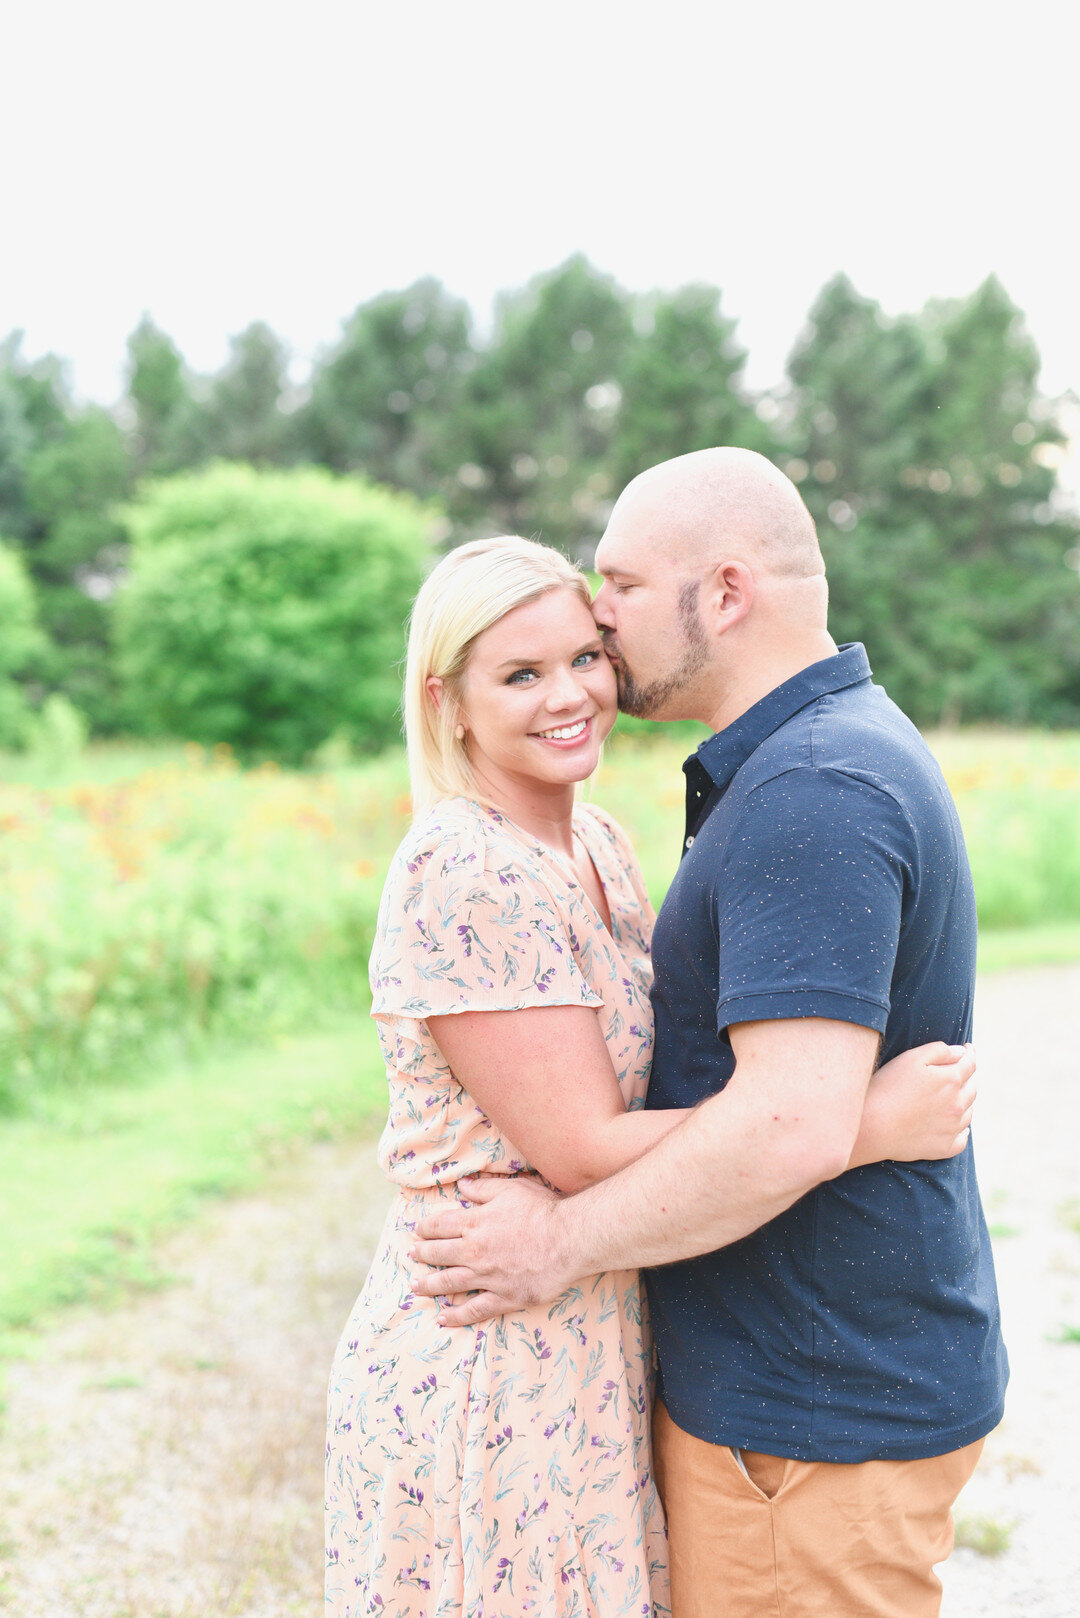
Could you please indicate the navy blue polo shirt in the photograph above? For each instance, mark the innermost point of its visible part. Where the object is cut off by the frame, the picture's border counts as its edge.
(824, 874)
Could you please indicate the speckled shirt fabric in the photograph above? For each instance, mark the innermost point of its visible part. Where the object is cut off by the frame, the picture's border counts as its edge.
(824, 875)
(501, 1471)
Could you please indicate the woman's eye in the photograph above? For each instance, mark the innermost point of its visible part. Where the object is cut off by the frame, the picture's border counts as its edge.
(520, 676)
(583, 659)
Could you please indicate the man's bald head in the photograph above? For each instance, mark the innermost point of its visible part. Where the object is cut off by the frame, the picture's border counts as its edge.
(705, 507)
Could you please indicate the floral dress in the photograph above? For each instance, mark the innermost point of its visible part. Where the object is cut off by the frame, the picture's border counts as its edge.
(502, 1470)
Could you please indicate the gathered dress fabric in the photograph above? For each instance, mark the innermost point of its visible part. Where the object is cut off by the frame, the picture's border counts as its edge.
(501, 1470)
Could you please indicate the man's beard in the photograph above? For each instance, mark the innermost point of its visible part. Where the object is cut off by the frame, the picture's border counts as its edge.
(645, 700)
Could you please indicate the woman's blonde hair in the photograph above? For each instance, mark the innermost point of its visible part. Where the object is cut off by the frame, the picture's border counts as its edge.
(470, 589)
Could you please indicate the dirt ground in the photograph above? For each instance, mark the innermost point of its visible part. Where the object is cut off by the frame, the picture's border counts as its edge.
(163, 1459)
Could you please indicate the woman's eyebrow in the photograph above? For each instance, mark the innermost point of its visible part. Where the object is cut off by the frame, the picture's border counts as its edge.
(533, 662)
(518, 663)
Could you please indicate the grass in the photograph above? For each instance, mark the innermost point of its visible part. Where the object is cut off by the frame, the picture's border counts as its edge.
(87, 1189)
(1002, 949)
(1018, 793)
(90, 1175)
(986, 1535)
(155, 913)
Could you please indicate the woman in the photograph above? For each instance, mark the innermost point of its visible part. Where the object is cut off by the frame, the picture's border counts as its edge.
(505, 1470)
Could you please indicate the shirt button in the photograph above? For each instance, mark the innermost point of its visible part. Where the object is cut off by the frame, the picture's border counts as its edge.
(689, 841)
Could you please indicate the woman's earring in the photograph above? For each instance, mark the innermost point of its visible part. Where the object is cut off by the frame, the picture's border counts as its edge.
(460, 733)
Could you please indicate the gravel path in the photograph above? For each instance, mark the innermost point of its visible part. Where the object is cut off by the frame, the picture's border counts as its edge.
(163, 1459)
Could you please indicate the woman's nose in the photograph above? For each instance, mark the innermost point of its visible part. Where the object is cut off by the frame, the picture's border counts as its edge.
(565, 690)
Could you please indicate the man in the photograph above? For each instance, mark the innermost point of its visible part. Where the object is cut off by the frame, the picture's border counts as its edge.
(829, 1345)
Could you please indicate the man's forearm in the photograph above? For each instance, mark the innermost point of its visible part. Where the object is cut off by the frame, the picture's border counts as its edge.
(725, 1171)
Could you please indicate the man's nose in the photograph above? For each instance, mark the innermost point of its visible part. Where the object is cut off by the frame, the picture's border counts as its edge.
(601, 607)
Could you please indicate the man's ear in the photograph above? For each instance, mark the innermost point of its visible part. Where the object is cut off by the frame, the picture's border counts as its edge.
(727, 594)
(434, 687)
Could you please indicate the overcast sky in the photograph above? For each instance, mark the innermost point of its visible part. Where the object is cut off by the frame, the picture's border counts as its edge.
(215, 163)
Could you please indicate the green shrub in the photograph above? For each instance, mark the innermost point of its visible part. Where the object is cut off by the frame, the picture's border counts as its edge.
(191, 901)
(19, 641)
(265, 610)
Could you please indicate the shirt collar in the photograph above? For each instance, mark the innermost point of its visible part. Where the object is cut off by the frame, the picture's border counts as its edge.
(728, 750)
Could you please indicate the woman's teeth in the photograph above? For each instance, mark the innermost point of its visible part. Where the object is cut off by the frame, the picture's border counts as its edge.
(565, 733)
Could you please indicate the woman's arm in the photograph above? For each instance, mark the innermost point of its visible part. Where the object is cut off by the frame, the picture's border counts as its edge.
(544, 1077)
(918, 1106)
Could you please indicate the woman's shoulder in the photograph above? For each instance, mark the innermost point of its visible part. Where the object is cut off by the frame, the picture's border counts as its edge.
(612, 852)
(456, 837)
(606, 826)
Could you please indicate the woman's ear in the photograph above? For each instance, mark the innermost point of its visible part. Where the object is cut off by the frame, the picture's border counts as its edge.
(434, 687)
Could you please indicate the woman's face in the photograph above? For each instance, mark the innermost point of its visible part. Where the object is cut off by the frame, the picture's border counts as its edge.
(539, 694)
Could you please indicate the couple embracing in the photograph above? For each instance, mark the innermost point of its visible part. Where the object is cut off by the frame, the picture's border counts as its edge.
(736, 1139)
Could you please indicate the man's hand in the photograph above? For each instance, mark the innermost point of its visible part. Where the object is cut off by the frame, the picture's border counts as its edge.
(503, 1248)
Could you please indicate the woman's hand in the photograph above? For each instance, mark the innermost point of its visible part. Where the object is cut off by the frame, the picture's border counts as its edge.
(918, 1106)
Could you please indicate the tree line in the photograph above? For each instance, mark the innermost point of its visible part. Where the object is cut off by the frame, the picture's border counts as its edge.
(921, 443)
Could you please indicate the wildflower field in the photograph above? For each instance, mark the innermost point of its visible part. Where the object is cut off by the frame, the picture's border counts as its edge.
(187, 900)
(183, 983)
(152, 906)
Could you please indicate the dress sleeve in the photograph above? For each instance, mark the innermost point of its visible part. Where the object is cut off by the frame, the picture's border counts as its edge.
(466, 927)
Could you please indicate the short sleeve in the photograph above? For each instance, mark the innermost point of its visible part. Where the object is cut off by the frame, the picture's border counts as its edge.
(808, 904)
(467, 925)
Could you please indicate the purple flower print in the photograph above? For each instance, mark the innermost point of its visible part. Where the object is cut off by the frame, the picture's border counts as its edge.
(543, 982)
(504, 1574)
(468, 936)
(525, 1516)
(574, 1323)
(538, 1347)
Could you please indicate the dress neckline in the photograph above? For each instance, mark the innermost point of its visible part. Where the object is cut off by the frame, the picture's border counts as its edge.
(565, 866)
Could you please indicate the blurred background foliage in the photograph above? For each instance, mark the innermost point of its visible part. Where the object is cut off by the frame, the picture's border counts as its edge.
(148, 587)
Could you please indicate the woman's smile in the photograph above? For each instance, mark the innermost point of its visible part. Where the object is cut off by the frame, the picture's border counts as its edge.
(538, 697)
(566, 735)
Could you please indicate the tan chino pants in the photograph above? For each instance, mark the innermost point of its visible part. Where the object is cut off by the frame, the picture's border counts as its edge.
(804, 1539)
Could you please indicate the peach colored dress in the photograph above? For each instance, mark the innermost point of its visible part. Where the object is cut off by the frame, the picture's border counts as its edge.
(499, 1471)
